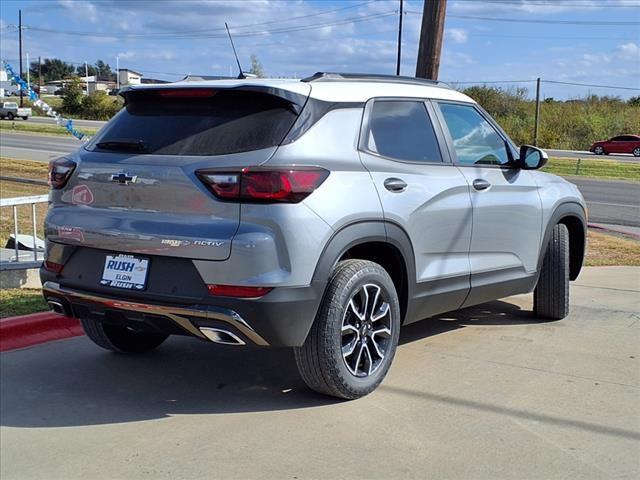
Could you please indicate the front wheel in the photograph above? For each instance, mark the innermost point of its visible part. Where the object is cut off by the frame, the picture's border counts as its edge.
(25, 118)
(353, 340)
(599, 150)
(118, 338)
(551, 296)
(636, 152)
(10, 116)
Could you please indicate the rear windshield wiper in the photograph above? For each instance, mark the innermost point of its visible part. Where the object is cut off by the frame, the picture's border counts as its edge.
(123, 144)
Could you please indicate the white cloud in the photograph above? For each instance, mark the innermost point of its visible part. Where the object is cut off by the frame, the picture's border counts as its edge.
(629, 51)
(456, 35)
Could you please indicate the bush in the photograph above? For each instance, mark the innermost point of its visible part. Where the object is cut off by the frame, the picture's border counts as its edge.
(72, 98)
(99, 106)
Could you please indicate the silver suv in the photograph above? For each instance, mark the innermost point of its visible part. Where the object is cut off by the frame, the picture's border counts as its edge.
(319, 214)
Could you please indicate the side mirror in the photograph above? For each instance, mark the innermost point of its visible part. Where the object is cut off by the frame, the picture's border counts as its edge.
(532, 158)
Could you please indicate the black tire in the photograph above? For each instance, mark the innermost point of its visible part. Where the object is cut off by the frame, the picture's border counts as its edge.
(551, 296)
(320, 360)
(120, 339)
(10, 116)
(25, 118)
(636, 152)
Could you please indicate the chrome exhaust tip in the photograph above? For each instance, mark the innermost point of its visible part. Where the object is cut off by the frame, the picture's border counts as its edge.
(218, 335)
(56, 307)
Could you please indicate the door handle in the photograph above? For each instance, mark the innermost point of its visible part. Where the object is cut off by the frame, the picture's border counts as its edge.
(481, 184)
(395, 185)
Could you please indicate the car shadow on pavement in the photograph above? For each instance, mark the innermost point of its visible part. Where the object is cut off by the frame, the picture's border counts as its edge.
(73, 382)
(493, 313)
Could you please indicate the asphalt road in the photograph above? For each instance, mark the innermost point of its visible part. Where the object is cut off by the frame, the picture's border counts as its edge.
(35, 147)
(591, 156)
(486, 393)
(610, 202)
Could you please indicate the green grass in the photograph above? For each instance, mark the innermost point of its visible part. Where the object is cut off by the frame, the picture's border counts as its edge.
(20, 126)
(21, 301)
(600, 168)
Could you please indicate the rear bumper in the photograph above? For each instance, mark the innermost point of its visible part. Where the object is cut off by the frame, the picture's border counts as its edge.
(282, 318)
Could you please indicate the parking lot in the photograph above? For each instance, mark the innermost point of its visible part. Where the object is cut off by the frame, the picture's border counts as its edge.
(488, 392)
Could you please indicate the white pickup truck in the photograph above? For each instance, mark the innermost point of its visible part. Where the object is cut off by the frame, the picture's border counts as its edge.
(11, 110)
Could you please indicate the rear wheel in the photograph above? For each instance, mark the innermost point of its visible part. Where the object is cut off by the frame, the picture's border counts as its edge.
(25, 118)
(353, 340)
(636, 152)
(10, 116)
(121, 339)
(551, 296)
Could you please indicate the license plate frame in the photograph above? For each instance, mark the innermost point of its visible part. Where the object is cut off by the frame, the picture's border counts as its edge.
(125, 271)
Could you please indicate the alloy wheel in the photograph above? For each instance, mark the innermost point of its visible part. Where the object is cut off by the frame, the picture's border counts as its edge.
(366, 330)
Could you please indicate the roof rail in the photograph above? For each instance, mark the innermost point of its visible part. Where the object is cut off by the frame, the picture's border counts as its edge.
(370, 77)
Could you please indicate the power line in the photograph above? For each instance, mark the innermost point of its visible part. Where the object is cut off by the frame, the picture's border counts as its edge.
(559, 4)
(591, 85)
(489, 82)
(191, 35)
(596, 23)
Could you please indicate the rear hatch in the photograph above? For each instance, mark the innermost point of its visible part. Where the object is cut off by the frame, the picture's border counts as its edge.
(135, 189)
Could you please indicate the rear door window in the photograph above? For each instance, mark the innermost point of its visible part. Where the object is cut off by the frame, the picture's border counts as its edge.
(402, 130)
(206, 122)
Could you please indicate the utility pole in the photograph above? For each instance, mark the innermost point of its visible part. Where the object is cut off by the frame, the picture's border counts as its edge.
(86, 76)
(40, 76)
(399, 37)
(431, 39)
(20, 48)
(118, 73)
(537, 120)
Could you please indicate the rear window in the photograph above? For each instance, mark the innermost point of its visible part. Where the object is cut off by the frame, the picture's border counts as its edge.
(214, 122)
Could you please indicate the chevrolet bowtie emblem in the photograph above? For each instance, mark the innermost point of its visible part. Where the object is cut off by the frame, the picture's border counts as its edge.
(124, 178)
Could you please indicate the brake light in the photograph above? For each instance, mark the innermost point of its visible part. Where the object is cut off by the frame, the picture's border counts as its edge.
(59, 172)
(238, 291)
(264, 185)
(187, 93)
(53, 267)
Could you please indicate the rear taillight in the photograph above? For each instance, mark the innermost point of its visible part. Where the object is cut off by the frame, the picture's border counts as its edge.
(238, 291)
(290, 185)
(59, 172)
(53, 267)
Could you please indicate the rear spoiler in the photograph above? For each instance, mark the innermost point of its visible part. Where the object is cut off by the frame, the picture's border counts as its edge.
(296, 100)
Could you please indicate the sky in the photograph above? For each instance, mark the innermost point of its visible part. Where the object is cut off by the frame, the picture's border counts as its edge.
(515, 41)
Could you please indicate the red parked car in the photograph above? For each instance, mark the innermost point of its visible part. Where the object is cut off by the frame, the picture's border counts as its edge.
(619, 144)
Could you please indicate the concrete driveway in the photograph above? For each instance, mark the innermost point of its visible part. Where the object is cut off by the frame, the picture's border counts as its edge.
(487, 393)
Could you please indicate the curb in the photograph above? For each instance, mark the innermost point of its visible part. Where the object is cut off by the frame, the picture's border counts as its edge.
(621, 230)
(28, 330)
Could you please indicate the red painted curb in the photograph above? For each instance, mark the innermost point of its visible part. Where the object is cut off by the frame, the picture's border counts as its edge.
(27, 330)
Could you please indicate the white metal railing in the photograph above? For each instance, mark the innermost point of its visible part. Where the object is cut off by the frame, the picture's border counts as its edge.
(32, 200)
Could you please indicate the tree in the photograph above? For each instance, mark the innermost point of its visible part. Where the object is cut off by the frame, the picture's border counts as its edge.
(72, 97)
(99, 106)
(52, 69)
(256, 67)
(103, 70)
(634, 101)
(91, 70)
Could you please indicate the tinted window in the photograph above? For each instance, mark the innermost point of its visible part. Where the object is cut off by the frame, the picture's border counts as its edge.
(475, 141)
(227, 121)
(402, 130)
